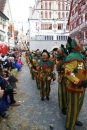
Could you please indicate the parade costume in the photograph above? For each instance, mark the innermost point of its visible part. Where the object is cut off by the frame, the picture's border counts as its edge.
(45, 75)
(62, 94)
(30, 63)
(52, 58)
(35, 61)
(76, 82)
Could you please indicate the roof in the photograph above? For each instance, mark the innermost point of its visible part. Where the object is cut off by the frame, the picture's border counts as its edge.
(3, 16)
(2, 5)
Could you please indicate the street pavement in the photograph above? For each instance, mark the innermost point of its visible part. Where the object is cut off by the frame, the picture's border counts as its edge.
(34, 114)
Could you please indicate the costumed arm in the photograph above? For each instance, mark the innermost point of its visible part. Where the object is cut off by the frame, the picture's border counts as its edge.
(58, 65)
(34, 63)
(69, 68)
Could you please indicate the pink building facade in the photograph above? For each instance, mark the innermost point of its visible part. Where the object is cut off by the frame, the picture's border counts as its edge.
(78, 20)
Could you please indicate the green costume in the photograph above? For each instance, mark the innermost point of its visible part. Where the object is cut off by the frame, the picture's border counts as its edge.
(31, 56)
(35, 61)
(75, 73)
(62, 94)
(45, 75)
(52, 58)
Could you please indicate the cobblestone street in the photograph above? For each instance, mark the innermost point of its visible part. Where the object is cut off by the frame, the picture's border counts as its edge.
(33, 114)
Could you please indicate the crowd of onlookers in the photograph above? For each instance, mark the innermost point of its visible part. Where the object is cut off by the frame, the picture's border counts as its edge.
(10, 65)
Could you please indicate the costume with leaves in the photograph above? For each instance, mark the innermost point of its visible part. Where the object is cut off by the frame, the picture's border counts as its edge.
(45, 75)
(62, 95)
(76, 75)
(35, 61)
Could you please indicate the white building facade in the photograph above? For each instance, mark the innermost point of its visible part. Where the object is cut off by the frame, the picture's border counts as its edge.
(8, 37)
(3, 23)
(48, 20)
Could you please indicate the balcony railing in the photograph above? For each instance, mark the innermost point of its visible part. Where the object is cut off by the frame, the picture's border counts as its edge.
(82, 25)
(73, 17)
(74, 30)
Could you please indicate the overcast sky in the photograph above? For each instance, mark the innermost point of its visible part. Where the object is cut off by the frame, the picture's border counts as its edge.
(20, 12)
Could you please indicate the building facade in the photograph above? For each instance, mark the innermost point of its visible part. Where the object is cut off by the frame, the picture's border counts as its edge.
(16, 36)
(78, 20)
(3, 20)
(48, 20)
(8, 27)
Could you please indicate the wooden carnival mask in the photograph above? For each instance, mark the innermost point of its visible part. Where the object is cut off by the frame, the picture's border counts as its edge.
(59, 51)
(38, 53)
(44, 56)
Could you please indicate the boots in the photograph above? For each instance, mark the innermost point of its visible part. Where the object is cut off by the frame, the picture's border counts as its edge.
(47, 97)
(42, 98)
(64, 111)
(78, 123)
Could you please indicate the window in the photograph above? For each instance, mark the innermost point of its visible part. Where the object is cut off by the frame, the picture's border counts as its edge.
(49, 14)
(59, 37)
(41, 14)
(67, 27)
(59, 15)
(86, 34)
(39, 37)
(58, 6)
(71, 27)
(45, 14)
(83, 2)
(79, 20)
(41, 6)
(67, 14)
(86, 17)
(66, 7)
(1, 37)
(76, 9)
(63, 15)
(46, 26)
(72, 13)
(79, 8)
(49, 38)
(59, 26)
(62, 6)
(42, 27)
(74, 24)
(50, 26)
(64, 38)
(45, 5)
(49, 5)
